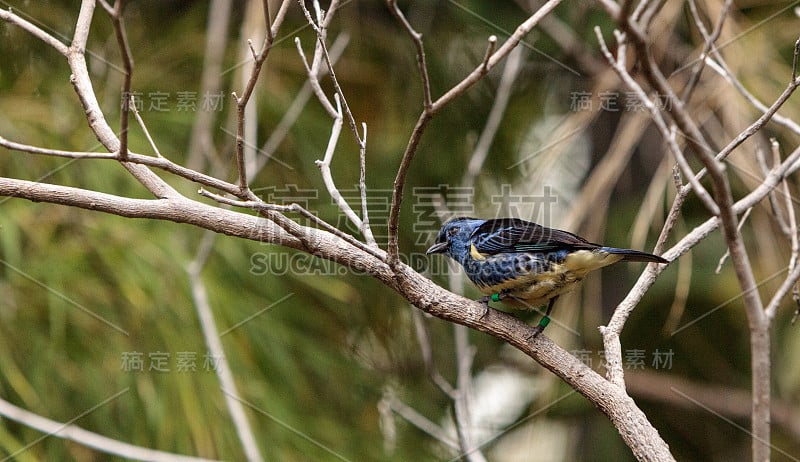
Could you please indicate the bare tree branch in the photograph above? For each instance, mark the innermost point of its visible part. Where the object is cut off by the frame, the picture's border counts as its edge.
(481, 151)
(214, 343)
(10, 17)
(133, 158)
(127, 63)
(296, 208)
(242, 101)
(89, 439)
(295, 109)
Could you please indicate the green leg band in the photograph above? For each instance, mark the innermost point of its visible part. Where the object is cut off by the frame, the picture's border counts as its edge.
(495, 297)
(544, 322)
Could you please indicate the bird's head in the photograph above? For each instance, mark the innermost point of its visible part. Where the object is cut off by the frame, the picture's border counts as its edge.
(453, 239)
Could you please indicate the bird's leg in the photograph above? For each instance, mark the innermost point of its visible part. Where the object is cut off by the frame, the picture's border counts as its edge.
(539, 328)
(491, 298)
(494, 297)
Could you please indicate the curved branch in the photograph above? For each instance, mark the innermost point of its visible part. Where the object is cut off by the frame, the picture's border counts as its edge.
(179, 210)
(87, 438)
(133, 158)
(33, 29)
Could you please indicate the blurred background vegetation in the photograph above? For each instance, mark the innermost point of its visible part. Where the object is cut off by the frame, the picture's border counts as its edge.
(317, 366)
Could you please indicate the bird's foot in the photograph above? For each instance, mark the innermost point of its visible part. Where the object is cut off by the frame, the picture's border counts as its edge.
(539, 328)
(493, 298)
(485, 302)
(490, 298)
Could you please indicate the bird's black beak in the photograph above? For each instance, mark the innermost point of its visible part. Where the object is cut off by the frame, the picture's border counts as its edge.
(439, 247)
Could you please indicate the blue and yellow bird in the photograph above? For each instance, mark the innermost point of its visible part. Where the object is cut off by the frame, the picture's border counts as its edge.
(525, 264)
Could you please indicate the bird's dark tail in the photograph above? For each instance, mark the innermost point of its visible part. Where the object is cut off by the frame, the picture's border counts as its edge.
(634, 255)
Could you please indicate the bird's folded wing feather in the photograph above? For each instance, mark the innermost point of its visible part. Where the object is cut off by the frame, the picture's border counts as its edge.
(514, 235)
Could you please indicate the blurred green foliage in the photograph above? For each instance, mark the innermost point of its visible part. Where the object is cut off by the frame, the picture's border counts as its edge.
(79, 290)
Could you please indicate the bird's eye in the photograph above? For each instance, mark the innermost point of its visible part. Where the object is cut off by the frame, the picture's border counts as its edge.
(452, 231)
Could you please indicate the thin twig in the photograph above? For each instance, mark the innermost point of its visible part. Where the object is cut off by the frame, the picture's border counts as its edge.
(727, 253)
(133, 158)
(794, 59)
(365, 229)
(257, 204)
(718, 65)
(325, 169)
(791, 216)
(293, 112)
(416, 38)
(611, 332)
(127, 63)
(313, 78)
(708, 44)
(775, 205)
(760, 122)
(144, 127)
(502, 97)
(277, 21)
(490, 48)
(12, 18)
(247, 92)
(788, 284)
(338, 89)
(793, 232)
(342, 109)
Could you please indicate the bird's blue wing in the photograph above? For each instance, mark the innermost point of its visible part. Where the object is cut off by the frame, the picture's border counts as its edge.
(505, 235)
